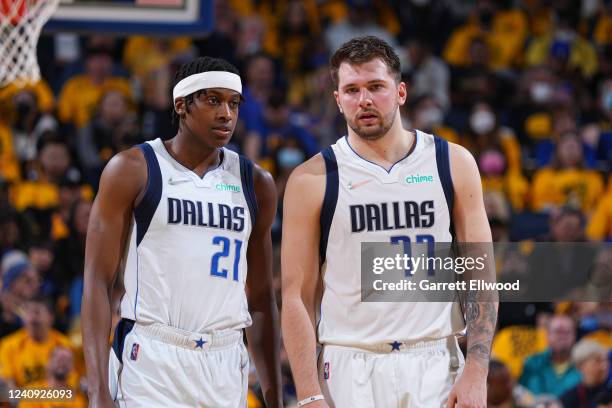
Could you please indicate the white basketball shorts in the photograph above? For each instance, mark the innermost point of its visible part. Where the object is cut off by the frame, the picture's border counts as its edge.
(402, 375)
(160, 366)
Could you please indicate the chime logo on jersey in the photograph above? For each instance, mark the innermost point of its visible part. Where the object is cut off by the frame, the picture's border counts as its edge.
(212, 215)
(228, 187)
(419, 178)
(392, 216)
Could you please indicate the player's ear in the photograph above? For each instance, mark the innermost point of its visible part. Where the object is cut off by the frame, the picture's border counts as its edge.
(180, 107)
(337, 97)
(403, 92)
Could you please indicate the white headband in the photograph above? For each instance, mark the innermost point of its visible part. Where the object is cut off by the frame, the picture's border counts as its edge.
(204, 80)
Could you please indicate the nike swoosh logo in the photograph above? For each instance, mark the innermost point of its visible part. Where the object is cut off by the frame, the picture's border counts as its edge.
(174, 182)
(352, 186)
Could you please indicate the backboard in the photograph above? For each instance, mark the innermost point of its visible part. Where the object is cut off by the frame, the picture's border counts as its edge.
(150, 17)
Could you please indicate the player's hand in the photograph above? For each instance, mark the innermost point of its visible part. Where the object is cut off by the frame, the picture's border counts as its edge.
(470, 390)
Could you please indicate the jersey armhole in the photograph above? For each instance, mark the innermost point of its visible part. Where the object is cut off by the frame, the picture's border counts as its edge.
(446, 180)
(329, 199)
(143, 213)
(248, 187)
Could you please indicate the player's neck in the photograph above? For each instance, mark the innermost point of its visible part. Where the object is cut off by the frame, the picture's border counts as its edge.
(387, 150)
(197, 157)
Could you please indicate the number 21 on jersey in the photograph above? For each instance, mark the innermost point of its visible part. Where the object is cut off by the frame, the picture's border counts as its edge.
(225, 245)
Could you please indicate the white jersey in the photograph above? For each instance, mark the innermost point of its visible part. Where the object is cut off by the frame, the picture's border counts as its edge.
(366, 203)
(186, 261)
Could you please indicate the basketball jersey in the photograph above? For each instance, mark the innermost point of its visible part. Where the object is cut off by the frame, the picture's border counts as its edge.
(186, 263)
(364, 202)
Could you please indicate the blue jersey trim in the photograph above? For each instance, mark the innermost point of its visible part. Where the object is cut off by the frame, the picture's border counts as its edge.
(416, 136)
(143, 213)
(443, 163)
(248, 187)
(330, 199)
(124, 327)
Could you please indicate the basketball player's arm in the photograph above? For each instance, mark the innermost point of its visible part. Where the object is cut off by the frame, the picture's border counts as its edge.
(480, 308)
(300, 273)
(121, 185)
(264, 334)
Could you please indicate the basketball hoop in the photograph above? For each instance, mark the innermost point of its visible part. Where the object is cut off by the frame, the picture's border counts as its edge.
(20, 24)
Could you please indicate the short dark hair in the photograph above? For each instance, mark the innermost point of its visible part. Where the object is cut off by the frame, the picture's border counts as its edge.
(202, 64)
(364, 49)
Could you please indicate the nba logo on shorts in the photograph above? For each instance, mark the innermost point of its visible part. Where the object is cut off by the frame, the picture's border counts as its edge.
(326, 370)
(134, 353)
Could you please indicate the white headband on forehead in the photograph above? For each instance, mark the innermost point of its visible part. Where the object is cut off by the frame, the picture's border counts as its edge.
(204, 80)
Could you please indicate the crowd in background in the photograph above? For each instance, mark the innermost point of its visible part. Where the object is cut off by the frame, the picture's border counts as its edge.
(525, 85)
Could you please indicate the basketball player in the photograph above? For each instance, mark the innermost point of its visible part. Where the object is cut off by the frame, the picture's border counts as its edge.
(386, 354)
(183, 218)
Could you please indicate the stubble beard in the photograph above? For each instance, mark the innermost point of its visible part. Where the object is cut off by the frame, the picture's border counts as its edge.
(373, 132)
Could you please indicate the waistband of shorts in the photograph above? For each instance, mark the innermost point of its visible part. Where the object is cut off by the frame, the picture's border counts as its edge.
(398, 346)
(215, 340)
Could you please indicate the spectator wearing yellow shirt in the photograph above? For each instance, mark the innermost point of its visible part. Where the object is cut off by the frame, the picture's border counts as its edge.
(563, 47)
(80, 95)
(42, 192)
(530, 116)
(29, 124)
(603, 29)
(61, 365)
(503, 30)
(25, 354)
(599, 227)
(566, 181)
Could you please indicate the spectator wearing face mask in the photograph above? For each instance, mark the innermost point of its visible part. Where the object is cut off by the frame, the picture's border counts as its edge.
(280, 124)
(566, 181)
(498, 155)
(426, 113)
(530, 115)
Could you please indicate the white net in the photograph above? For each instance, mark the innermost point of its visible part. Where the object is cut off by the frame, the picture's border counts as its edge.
(20, 24)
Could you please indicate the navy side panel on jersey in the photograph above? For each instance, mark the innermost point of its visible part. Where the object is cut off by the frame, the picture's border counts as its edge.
(330, 199)
(146, 208)
(443, 161)
(248, 186)
(124, 327)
